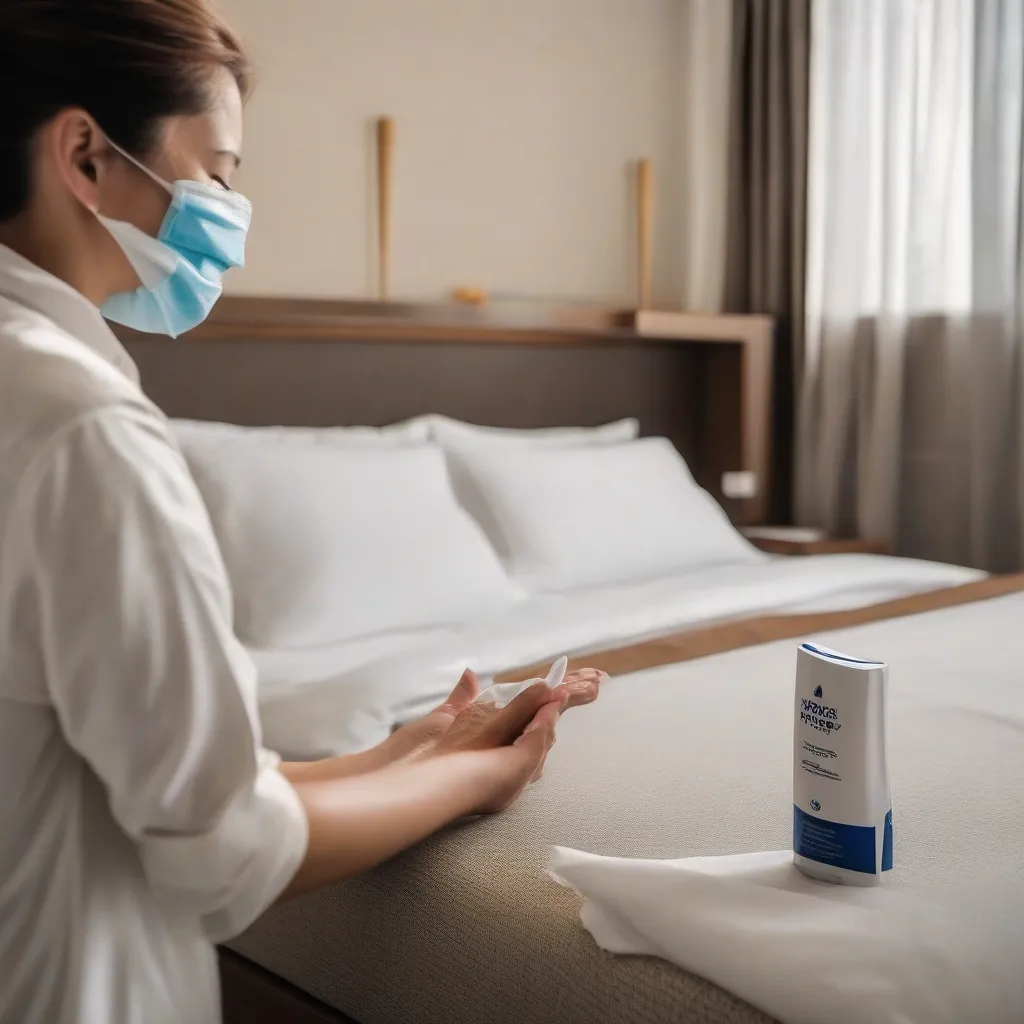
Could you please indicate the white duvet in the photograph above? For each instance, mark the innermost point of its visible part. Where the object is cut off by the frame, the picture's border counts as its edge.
(337, 699)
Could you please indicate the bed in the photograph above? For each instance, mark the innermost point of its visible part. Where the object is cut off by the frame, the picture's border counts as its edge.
(468, 927)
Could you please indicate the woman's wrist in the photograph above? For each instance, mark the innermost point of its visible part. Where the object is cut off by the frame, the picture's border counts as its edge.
(396, 749)
(357, 822)
(339, 767)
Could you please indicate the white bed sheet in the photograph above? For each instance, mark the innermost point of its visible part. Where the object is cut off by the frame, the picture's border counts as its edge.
(348, 697)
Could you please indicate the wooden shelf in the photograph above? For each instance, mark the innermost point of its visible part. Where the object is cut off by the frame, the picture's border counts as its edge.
(508, 323)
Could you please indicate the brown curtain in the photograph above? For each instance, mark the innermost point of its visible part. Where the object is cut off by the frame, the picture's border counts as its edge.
(767, 220)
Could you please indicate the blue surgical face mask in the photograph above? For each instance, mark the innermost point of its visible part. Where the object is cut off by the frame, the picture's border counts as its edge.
(202, 235)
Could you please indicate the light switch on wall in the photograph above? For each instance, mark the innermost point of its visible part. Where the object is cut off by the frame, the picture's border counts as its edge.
(739, 485)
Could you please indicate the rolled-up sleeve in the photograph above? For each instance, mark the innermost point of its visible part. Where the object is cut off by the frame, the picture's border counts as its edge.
(147, 679)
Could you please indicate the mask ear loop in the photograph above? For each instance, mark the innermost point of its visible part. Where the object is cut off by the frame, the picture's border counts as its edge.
(233, 199)
(149, 257)
(167, 186)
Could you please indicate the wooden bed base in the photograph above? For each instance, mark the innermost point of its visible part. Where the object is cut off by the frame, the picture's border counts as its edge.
(252, 995)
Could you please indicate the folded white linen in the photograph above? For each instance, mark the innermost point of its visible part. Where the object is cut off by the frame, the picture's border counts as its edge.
(806, 952)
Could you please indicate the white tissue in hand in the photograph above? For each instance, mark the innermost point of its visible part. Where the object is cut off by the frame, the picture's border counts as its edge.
(500, 694)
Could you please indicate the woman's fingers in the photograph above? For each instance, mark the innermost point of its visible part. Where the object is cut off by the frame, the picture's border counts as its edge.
(465, 692)
(539, 734)
(522, 760)
(483, 726)
(586, 675)
(525, 727)
(582, 687)
(548, 723)
(539, 770)
(479, 726)
(579, 693)
(520, 712)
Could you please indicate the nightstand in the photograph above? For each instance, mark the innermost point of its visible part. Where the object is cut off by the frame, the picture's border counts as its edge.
(793, 540)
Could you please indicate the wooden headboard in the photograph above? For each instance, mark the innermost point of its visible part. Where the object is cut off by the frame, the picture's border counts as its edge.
(702, 381)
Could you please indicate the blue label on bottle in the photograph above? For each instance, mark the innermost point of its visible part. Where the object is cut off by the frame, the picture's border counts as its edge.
(842, 846)
(887, 843)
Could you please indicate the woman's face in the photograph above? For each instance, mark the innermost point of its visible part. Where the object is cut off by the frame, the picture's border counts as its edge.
(79, 174)
(205, 147)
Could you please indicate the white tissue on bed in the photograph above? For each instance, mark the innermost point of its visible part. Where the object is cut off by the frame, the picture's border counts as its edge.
(803, 951)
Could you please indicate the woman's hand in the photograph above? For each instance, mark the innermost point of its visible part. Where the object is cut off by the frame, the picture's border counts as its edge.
(463, 759)
(420, 738)
(524, 730)
(517, 764)
(355, 822)
(581, 686)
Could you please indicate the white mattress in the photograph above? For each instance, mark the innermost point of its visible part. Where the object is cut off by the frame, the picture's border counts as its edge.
(337, 699)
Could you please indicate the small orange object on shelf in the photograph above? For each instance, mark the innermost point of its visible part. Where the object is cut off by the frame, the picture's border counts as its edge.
(469, 296)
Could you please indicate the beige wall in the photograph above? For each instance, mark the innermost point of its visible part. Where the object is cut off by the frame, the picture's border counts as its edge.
(517, 122)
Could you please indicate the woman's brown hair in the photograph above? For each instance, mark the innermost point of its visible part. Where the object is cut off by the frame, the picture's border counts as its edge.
(129, 63)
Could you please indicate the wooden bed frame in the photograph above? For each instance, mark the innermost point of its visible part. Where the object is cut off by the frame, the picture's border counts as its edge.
(703, 381)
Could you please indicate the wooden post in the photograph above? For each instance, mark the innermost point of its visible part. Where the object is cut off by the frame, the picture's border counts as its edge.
(644, 230)
(385, 145)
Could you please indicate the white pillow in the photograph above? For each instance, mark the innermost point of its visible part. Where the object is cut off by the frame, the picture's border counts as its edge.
(453, 435)
(408, 432)
(576, 517)
(325, 543)
(448, 432)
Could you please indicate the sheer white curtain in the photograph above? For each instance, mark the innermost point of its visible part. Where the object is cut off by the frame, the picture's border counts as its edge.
(706, 33)
(910, 416)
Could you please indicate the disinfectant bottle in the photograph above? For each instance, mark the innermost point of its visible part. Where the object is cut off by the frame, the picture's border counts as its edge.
(842, 806)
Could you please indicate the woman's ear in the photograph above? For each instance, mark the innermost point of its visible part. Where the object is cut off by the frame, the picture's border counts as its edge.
(79, 153)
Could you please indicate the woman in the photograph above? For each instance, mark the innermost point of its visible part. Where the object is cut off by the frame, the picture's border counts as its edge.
(142, 821)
